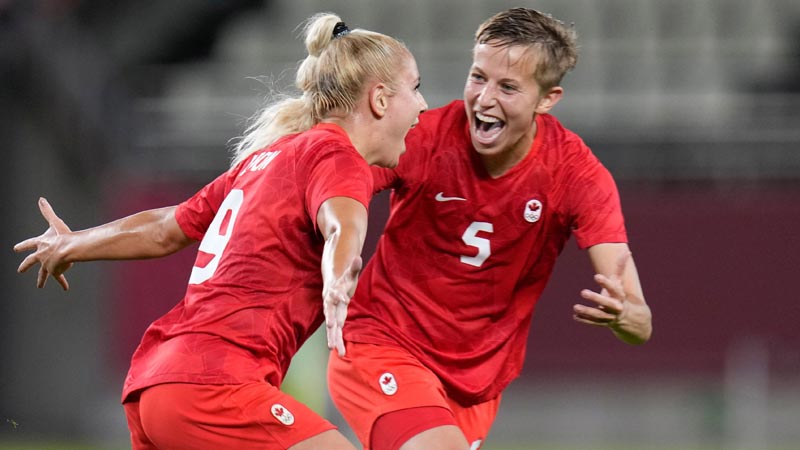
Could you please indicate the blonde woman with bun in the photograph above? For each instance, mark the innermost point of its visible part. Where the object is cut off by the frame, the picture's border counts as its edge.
(280, 237)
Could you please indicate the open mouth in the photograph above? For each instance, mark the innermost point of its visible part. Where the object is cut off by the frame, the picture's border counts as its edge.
(487, 127)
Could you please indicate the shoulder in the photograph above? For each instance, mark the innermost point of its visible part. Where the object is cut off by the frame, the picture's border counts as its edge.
(557, 135)
(323, 142)
(439, 128)
(326, 136)
(435, 122)
(562, 148)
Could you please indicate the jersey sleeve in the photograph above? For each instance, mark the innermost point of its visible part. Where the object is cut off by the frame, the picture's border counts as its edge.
(195, 214)
(595, 204)
(337, 171)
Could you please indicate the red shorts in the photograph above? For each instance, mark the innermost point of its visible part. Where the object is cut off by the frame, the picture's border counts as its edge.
(373, 380)
(243, 416)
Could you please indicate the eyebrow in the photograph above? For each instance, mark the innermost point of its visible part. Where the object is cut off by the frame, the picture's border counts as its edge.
(475, 68)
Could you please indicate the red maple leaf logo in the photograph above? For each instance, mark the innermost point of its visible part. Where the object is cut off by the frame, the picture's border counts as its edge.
(278, 411)
(534, 207)
(387, 379)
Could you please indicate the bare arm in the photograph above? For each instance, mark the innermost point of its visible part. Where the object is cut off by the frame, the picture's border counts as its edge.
(343, 223)
(147, 234)
(620, 304)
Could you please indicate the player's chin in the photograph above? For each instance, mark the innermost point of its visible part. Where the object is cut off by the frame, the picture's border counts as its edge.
(388, 163)
(487, 149)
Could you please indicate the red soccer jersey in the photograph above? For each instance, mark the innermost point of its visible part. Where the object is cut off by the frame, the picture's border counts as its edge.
(464, 257)
(254, 295)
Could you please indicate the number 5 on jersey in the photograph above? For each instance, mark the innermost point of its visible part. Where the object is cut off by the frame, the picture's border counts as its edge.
(218, 235)
(482, 244)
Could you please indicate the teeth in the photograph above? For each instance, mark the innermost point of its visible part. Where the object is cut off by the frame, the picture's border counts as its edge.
(487, 119)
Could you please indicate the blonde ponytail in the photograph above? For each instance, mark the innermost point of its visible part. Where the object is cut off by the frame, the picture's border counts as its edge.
(331, 78)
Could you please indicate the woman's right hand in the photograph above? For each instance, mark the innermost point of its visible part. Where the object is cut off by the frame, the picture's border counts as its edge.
(47, 249)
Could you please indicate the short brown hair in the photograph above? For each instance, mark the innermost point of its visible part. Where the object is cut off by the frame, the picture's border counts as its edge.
(556, 42)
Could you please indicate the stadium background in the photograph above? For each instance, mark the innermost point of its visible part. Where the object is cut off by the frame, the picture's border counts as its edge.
(694, 105)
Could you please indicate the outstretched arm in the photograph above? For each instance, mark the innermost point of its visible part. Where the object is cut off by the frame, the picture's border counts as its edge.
(620, 304)
(343, 223)
(147, 234)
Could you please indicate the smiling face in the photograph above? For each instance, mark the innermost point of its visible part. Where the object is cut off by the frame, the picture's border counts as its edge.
(502, 98)
(402, 112)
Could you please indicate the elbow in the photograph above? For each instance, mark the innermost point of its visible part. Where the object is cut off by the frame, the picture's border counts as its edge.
(345, 228)
(168, 237)
(170, 242)
(165, 246)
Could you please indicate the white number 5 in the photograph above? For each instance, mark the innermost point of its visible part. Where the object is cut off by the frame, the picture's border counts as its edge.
(482, 244)
(214, 242)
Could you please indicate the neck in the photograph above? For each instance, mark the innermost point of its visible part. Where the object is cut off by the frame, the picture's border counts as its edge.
(359, 135)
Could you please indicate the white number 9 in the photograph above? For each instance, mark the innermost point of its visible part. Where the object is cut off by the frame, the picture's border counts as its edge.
(214, 242)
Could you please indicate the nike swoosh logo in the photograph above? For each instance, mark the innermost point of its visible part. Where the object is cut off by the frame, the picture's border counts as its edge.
(441, 198)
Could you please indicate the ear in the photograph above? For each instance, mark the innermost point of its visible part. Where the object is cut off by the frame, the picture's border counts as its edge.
(549, 99)
(378, 100)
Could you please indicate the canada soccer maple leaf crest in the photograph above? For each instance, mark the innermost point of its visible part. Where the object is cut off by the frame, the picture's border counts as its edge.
(283, 415)
(388, 383)
(533, 211)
